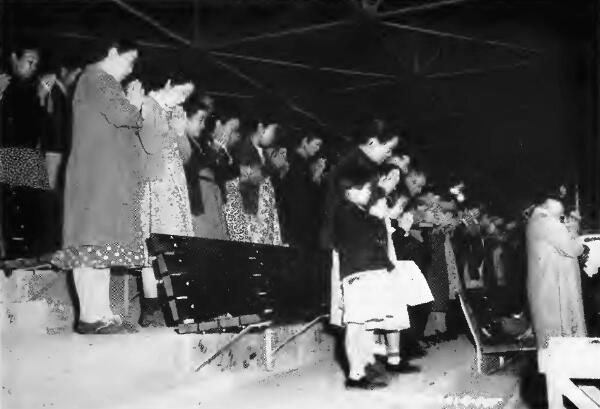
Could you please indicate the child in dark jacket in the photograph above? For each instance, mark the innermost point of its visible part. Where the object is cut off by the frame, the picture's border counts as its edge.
(370, 290)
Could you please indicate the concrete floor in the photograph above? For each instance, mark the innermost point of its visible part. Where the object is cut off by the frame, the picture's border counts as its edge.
(447, 374)
(69, 372)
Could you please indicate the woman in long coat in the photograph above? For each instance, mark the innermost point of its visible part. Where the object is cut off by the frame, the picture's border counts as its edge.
(101, 210)
(553, 277)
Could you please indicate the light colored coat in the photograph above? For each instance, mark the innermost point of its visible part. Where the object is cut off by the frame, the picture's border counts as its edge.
(553, 279)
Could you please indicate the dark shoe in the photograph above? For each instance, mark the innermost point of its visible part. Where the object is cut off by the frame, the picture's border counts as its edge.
(100, 327)
(152, 315)
(403, 368)
(414, 352)
(364, 383)
(381, 359)
(376, 373)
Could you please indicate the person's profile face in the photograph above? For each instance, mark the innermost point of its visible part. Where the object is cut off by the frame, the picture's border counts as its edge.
(279, 158)
(177, 94)
(26, 66)
(379, 209)
(359, 195)
(195, 123)
(382, 151)
(268, 136)
(554, 207)
(415, 183)
(389, 181)
(313, 147)
(122, 63)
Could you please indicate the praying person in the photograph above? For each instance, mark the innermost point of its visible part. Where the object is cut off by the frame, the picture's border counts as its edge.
(371, 297)
(165, 207)
(376, 145)
(553, 276)
(24, 183)
(101, 213)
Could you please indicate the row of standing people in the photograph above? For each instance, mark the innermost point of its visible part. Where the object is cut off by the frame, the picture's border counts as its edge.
(159, 162)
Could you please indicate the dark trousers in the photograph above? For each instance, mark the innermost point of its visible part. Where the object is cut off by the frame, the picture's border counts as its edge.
(418, 315)
(30, 221)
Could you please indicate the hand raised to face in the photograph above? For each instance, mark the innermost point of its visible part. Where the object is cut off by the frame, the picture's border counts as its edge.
(135, 93)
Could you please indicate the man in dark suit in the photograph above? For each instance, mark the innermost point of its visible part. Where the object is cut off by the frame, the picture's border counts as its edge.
(57, 101)
(300, 206)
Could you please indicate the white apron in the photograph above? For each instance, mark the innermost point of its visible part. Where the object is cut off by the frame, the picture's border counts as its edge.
(410, 280)
(371, 299)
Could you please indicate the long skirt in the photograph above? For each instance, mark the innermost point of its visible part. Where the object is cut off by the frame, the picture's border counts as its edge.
(260, 228)
(556, 301)
(374, 299)
(165, 207)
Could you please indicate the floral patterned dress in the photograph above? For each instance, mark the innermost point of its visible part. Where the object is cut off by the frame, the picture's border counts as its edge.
(262, 227)
(164, 206)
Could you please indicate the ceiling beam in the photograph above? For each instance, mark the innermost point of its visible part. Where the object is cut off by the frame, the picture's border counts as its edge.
(243, 57)
(233, 70)
(337, 23)
(473, 71)
(458, 37)
(301, 65)
(437, 75)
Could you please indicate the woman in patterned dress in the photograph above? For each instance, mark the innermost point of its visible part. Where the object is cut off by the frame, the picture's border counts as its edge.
(210, 166)
(251, 209)
(164, 206)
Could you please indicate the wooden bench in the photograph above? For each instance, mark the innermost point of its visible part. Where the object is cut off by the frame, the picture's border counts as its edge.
(567, 359)
(488, 356)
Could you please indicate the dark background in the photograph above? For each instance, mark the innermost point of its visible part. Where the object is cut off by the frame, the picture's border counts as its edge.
(508, 131)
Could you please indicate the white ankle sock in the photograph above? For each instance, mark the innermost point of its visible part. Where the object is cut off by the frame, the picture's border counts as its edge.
(149, 283)
(393, 359)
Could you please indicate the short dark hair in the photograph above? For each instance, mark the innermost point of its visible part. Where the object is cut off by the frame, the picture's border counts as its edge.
(198, 101)
(311, 136)
(416, 171)
(26, 43)
(122, 45)
(379, 129)
(386, 168)
(543, 196)
(102, 47)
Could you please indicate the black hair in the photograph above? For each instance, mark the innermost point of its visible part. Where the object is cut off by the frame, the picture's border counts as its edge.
(101, 48)
(379, 129)
(122, 45)
(198, 101)
(413, 170)
(309, 136)
(26, 43)
(386, 169)
(281, 135)
(248, 126)
(542, 196)
(377, 194)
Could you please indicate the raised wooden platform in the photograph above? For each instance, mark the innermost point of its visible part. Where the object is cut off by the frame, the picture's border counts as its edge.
(45, 363)
(566, 360)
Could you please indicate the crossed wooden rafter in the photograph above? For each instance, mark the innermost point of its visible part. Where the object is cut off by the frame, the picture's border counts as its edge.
(218, 57)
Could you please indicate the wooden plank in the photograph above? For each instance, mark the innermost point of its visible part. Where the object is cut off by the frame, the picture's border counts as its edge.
(574, 394)
(592, 392)
(574, 357)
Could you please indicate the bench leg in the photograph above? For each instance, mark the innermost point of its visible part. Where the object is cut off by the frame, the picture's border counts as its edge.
(555, 397)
